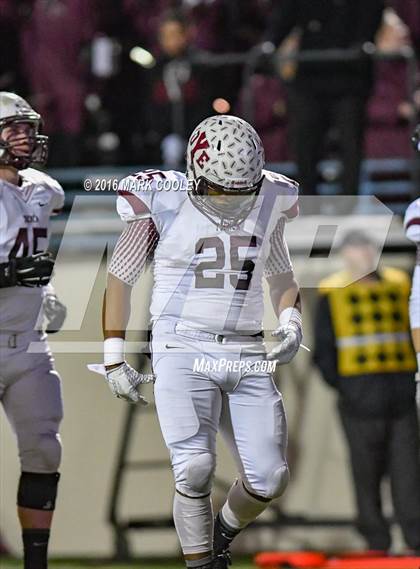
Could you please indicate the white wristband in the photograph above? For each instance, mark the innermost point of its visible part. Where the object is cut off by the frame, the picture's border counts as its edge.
(113, 351)
(292, 316)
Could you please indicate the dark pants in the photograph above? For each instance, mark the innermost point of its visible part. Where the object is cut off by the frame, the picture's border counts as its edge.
(380, 447)
(310, 117)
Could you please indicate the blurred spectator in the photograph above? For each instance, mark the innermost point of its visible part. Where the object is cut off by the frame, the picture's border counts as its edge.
(209, 24)
(10, 58)
(143, 17)
(389, 109)
(181, 92)
(268, 104)
(53, 42)
(269, 115)
(216, 25)
(363, 350)
(409, 11)
(328, 92)
(221, 25)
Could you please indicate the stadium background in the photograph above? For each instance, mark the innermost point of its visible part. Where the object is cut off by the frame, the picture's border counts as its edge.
(104, 53)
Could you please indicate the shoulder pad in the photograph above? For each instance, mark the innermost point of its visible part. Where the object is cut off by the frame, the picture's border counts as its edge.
(287, 191)
(37, 177)
(141, 195)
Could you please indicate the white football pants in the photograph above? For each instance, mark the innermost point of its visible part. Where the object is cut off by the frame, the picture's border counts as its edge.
(30, 393)
(201, 385)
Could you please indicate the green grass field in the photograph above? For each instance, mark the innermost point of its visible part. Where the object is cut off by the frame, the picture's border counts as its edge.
(67, 564)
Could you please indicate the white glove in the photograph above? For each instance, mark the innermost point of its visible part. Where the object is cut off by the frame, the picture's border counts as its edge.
(124, 381)
(55, 312)
(284, 352)
(290, 334)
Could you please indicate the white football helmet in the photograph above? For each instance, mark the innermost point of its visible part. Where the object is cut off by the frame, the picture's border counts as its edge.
(14, 109)
(225, 158)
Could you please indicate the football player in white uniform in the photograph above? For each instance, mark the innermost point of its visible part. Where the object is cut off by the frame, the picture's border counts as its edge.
(214, 233)
(412, 231)
(29, 385)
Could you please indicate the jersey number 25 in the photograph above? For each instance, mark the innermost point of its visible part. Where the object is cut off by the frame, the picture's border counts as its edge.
(244, 267)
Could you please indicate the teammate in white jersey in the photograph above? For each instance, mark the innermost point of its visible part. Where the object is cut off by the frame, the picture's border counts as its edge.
(412, 231)
(214, 233)
(29, 385)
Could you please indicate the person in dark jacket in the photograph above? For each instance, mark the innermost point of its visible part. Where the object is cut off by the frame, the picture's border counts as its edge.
(53, 40)
(363, 350)
(181, 91)
(334, 92)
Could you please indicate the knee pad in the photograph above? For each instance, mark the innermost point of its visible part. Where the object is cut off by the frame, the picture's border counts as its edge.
(198, 474)
(38, 491)
(39, 449)
(270, 485)
(278, 481)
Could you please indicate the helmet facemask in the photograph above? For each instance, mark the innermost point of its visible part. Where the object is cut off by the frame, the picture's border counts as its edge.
(226, 207)
(11, 155)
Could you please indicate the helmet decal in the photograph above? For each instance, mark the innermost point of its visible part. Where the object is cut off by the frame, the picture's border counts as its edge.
(199, 142)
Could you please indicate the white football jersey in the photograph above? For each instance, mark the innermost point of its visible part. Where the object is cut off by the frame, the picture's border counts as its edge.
(25, 212)
(412, 221)
(204, 275)
(412, 231)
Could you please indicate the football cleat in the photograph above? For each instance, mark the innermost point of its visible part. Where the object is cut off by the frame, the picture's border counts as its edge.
(223, 560)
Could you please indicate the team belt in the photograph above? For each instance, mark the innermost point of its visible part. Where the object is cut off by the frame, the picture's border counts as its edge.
(182, 330)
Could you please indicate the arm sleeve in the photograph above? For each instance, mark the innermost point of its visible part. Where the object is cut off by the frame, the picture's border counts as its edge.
(283, 19)
(325, 352)
(133, 249)
(278, 261)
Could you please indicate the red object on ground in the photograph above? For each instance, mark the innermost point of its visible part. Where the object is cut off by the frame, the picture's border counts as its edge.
(361, 554)
(316, 560)
(373, 563)
(298, 559)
